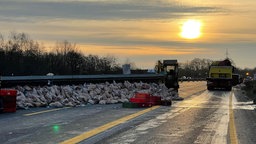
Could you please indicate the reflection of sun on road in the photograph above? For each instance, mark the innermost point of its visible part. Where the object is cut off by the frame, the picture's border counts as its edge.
(217, 123)
(204, 117)
(189, 88)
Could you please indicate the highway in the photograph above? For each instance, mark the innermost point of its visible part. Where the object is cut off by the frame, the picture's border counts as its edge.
(203, 117)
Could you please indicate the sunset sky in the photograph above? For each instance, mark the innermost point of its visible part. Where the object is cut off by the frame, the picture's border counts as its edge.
(140, 31)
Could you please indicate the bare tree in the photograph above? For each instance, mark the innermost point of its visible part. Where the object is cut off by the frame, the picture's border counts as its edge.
(64, 47)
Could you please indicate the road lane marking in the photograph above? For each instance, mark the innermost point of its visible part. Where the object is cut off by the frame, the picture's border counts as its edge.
(40, 112)
(232, 127)
(105, 127)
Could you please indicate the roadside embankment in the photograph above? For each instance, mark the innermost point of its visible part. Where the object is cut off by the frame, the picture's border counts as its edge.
(250, 89)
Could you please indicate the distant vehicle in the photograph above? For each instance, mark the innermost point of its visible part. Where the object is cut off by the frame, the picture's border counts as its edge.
(220, 75)
(151, 71)
(183, 78)
(236, 79)
(49, 82)
(248, 78)
(50, 74)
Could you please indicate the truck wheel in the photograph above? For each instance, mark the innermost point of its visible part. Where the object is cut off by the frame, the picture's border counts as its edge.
(166, 102)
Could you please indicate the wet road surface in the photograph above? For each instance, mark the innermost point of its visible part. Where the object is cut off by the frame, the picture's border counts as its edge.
(202, 117)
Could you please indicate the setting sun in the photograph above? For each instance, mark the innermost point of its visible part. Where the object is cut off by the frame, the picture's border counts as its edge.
(191, 29)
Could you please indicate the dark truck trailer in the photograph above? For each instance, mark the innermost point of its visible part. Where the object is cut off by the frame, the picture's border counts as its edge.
(219, 83)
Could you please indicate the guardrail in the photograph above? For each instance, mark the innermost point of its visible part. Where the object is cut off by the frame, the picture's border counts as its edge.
(7, 81)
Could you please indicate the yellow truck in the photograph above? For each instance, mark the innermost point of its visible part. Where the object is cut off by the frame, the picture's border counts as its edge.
(220, 75)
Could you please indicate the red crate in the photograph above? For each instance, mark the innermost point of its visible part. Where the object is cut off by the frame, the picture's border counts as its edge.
(148, 104)
(8, 100)
(139, 100)
(142, 95)
(155, 100)
(8, 92)
(9, 104)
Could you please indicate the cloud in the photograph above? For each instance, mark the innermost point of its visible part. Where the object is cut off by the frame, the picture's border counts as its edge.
(102, 10)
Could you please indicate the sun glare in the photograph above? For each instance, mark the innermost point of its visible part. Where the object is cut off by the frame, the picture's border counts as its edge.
(191, 29)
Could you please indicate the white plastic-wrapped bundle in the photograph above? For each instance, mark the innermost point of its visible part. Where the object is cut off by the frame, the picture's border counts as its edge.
(56, 104)
(76, 95)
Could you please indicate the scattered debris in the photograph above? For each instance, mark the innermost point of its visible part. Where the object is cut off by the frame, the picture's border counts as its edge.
(76, 95)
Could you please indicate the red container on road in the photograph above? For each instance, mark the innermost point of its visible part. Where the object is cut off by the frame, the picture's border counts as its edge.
(8, 100)
(155, 100)
(142, 102)
(142, 96)
(138, 100)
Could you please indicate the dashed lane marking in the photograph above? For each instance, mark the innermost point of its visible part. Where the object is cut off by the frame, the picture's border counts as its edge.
(40, 112)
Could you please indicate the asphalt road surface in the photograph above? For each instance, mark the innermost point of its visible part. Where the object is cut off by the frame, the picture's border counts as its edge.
(216, 117)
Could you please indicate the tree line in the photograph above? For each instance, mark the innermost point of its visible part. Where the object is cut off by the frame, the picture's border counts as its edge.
(20, 55)
(198, 68)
